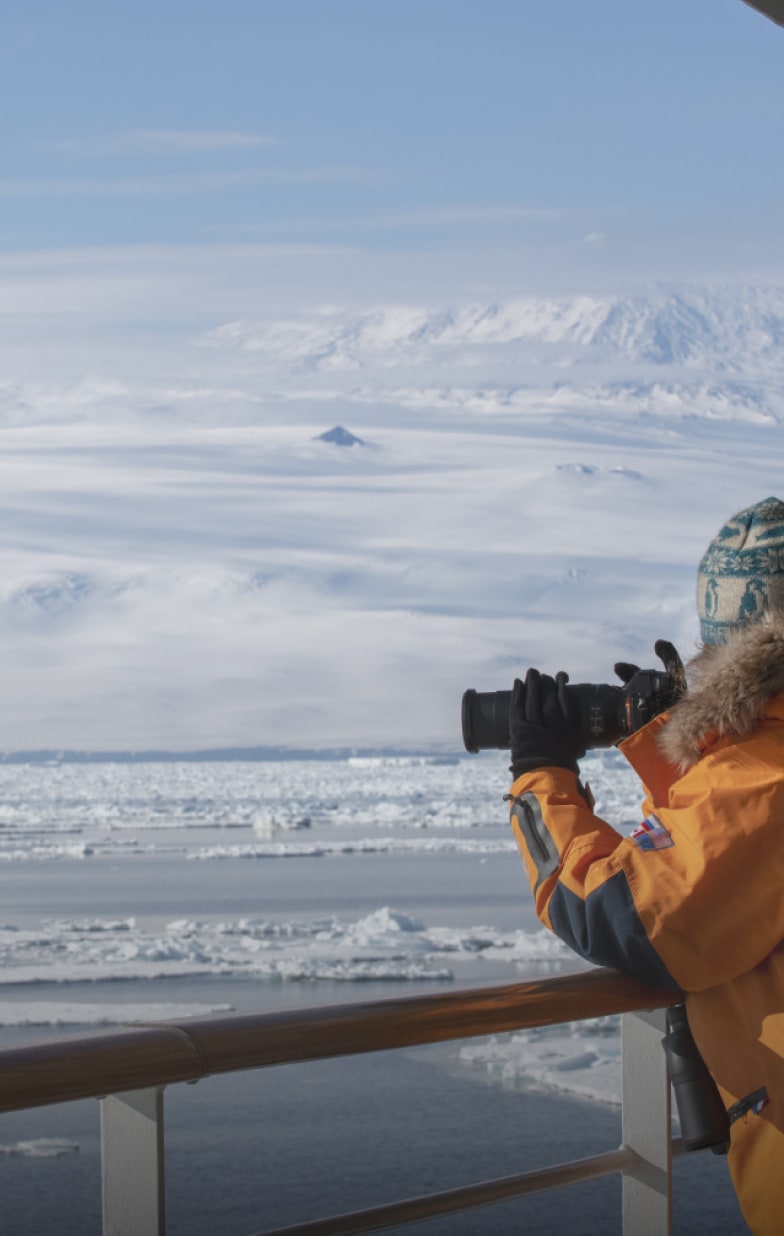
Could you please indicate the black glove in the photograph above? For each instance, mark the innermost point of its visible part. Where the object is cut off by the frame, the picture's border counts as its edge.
(649, 692)
(544, 725)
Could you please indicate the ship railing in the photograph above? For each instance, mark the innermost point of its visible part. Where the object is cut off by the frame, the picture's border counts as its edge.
(129, 1068)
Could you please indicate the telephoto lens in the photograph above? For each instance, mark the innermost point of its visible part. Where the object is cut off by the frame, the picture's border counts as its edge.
(601, 710)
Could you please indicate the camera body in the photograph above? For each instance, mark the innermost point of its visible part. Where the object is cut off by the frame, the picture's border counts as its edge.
(606, 713)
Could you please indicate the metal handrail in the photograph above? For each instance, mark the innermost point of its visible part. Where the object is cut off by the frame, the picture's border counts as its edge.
(454, 1201)
(129, 1068)
(146, 1055)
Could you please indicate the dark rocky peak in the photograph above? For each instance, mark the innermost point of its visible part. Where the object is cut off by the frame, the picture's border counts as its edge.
(340, 437)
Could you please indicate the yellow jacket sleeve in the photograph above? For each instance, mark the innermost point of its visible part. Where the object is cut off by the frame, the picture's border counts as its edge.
(692, 897)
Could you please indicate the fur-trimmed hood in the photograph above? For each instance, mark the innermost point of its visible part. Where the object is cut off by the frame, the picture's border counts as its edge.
(729, 687)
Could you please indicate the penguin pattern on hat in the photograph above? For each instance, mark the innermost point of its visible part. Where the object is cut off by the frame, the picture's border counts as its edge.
(741, 575)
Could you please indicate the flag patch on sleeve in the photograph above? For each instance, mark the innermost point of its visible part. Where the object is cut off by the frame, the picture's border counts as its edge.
(652, 835)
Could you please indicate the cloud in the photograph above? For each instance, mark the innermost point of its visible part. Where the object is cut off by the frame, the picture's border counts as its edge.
(470, 213)
(440, 217)
(165, 140)
(175, 283)
(168, 585)
(176, 183)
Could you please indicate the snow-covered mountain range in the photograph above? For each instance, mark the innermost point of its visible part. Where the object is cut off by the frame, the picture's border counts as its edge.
(727, 330)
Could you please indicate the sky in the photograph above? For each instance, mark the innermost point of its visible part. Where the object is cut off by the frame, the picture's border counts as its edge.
(226, 228)
(393, 125)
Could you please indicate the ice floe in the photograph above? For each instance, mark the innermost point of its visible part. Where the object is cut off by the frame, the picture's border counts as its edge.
(383, 945)
(40, 1148)
(582, 1058)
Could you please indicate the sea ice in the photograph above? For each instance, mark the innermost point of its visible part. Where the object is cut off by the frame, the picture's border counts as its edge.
(41, 1148)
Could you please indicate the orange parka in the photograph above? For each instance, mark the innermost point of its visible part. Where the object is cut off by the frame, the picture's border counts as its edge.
(693, 897)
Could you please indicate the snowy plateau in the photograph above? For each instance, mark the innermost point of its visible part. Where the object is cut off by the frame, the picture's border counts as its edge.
(188, 564)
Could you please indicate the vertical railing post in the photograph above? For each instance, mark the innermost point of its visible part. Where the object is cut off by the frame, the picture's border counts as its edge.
(132, 1163)
(647, 1186)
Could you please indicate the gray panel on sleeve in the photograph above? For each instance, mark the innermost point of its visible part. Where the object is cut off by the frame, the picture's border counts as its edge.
(537, 836)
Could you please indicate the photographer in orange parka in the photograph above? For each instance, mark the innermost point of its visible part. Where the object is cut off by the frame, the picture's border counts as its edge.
(694, 896)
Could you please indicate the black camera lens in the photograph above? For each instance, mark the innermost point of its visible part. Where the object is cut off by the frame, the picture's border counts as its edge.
(601, 711)
(486, 720)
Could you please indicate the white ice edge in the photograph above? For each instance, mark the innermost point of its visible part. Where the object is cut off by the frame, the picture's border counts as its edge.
(101, 1013)
(361, 845)
(40, 1148)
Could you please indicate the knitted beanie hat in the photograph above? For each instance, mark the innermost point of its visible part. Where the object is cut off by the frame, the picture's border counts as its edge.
(742, 573)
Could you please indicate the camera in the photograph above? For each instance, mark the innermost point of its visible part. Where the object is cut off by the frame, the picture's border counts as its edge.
(606, 713)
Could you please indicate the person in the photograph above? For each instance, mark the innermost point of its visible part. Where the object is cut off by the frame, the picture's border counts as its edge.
(693, 897)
